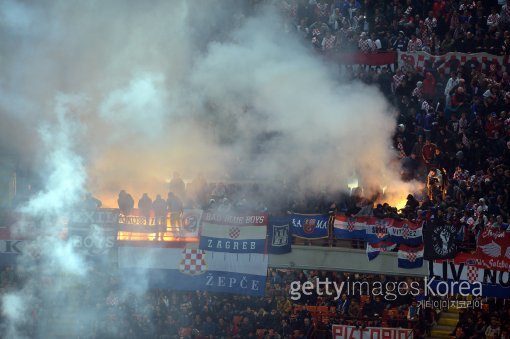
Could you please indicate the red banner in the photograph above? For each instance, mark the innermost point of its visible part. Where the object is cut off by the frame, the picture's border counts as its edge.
(493, 250)
(358, 58)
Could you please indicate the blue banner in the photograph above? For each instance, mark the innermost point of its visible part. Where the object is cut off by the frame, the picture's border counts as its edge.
(193, 269)
(233, 233)
(213, 281)
(310, 226)
(279, 235)
(232, 245)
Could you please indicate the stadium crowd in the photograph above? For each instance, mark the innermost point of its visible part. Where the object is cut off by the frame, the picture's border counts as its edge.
(452, 133)
(372, 26)
(174, 314)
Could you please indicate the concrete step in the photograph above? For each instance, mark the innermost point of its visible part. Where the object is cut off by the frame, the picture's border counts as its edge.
(444, 336)
(441, 333)
(448, 321)
(450, 315)
(444, 328)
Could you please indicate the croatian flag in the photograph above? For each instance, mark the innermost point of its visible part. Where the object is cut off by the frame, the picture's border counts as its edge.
(374, 249)
(410, 257)
(233, 233)
(192, 269)
(378, 229)
(406, 232)
(349, 227)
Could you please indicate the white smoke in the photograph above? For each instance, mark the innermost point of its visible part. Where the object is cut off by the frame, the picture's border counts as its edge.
(156, 87)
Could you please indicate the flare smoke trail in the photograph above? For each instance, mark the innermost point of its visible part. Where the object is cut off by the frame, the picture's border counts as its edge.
(143, 89)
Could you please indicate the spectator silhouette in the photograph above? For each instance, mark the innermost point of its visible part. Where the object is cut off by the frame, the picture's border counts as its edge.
(175, 207)
(145, 207)
(125, 202)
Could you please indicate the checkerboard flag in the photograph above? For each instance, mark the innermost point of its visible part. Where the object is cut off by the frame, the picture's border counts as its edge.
(472, 274)
(410, 257)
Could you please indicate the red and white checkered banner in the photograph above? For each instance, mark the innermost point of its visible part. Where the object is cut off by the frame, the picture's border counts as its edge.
(450, 61)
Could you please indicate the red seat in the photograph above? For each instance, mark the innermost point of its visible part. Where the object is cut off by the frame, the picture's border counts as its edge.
(323, 309)
(363, 298)
(311, 309)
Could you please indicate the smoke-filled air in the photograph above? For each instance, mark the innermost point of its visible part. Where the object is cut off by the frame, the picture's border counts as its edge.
(99, 96)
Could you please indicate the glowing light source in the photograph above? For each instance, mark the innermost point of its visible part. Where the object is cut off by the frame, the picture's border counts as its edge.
(353, 185)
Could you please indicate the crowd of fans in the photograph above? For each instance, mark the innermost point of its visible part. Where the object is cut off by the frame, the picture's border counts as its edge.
(178, 314)
(453, 133)
(372, 26)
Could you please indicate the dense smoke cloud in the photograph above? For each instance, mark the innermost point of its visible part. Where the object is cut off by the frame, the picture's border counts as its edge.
(110, 95)
(169, 88)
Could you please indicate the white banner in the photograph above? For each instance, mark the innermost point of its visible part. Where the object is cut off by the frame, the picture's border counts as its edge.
(351, 332)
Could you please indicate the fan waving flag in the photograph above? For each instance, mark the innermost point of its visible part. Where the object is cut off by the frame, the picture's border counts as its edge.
(410, 257)
(233, 234)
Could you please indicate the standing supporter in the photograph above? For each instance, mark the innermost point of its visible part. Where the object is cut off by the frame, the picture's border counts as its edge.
(493, 19)
(145, 207)
(177, 186)
(175, 207)
(450, 85)
(429, 86)
(125, 202)
(415, 44)
(328, 42)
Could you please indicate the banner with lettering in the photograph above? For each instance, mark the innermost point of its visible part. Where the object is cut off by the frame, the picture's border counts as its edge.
(93, 232)
(11, 247)
(374, 229)
(309, 226)
(405, 232)
(493, 249)
(361, 332)
(278, 235)
(233, 233)
(378, 229)
(450, 61)
(449, 274)
(158, 265)
(440, 241)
